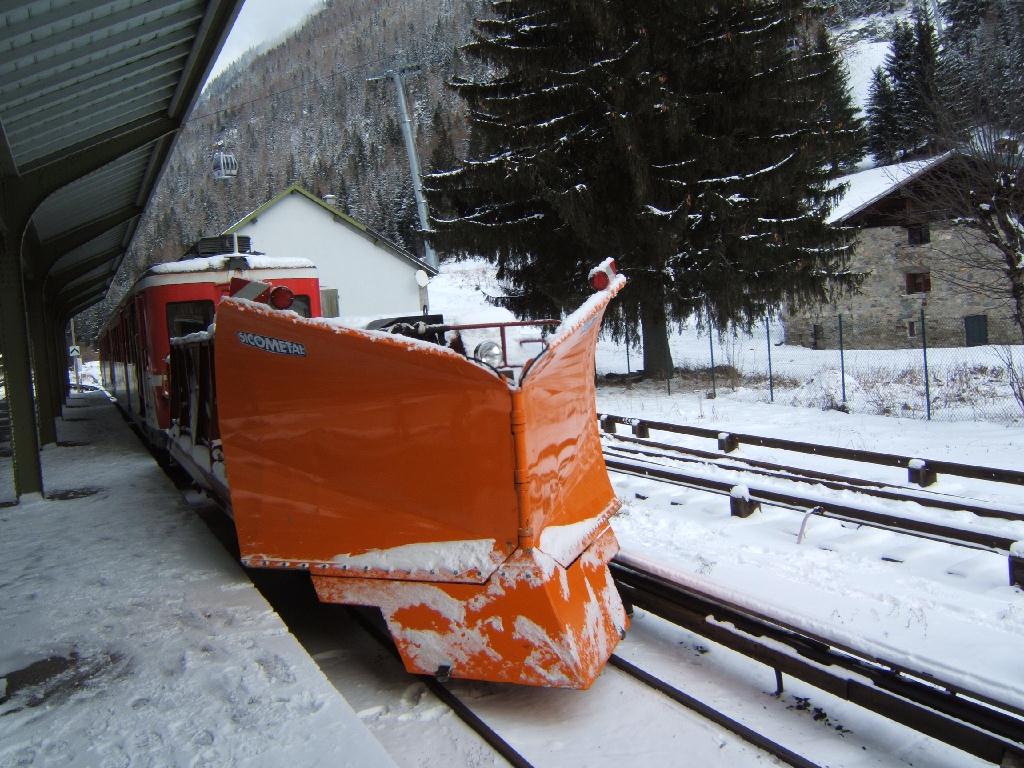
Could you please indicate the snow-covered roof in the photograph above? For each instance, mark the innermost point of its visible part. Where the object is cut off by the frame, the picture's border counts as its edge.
(220, 263)
(340, 216)
(868, 187)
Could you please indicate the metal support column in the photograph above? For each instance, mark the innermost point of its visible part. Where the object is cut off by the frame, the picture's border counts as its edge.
(61, 356)
(14, 344)
(41, 367)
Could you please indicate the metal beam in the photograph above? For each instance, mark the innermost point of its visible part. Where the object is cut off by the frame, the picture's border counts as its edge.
(85, 284)
(34, 142)
(209, 39)
(173, 46)
(19, 54)
(60, 277)
(77, 104)
(56, 247)
(85, 301)
(42, 178)
(84, 304)
(71, 287)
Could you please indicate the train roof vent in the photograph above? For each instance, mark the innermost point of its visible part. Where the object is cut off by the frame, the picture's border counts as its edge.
(214, 246)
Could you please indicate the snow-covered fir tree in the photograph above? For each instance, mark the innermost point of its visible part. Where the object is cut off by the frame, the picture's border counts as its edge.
(706, 174)
(845, 129)
(883, 125)
(902, 101)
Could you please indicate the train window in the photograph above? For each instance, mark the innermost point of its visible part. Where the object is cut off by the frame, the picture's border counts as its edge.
(329, 302)
(185, 317)
(300, 304)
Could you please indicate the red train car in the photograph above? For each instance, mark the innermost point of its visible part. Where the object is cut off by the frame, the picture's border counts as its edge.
(174, 300)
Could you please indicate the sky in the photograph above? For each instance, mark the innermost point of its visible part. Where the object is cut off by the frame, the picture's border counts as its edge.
(258, 22)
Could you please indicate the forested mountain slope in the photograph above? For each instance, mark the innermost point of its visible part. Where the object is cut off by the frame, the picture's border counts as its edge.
(304, 112)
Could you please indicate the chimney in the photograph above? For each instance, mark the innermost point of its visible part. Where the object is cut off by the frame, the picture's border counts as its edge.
(331, 200)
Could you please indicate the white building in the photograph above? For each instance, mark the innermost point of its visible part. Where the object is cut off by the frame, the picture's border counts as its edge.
(361, 274)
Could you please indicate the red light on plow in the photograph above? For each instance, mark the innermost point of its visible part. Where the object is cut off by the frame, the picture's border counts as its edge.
(601, 276)
(281, 297)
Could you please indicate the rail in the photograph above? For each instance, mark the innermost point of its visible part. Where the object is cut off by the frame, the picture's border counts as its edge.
(710, 713)
(828, 480)
(966, 720)
(959, 536)
(1014, 477)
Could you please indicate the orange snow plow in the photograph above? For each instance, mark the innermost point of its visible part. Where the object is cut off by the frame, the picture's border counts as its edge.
(469, 504)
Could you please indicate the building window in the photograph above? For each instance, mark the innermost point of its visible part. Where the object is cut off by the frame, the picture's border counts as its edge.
(918, 234)
(919, 282)
(911, 329)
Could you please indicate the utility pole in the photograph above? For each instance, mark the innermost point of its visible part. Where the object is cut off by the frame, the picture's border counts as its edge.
(397, 76)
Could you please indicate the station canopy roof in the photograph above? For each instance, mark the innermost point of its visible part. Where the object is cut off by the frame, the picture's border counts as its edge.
(92, 95)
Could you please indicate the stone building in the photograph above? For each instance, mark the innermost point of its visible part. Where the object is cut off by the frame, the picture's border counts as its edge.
(909, 261)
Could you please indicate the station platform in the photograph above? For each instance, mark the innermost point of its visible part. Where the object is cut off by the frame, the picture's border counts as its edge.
(131, 637)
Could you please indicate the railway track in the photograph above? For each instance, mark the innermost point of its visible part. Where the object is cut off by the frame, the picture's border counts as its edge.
(514, 758)
(832, 481)
(729, 441)
(641, 463)
(964, 719)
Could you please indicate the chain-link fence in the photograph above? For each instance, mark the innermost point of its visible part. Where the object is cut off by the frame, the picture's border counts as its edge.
(909, 377)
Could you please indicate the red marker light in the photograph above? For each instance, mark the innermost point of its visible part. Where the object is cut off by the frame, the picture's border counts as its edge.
(601, 276)
(281, 297)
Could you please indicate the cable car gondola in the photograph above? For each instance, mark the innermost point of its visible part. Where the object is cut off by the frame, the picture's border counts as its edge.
(225, 166)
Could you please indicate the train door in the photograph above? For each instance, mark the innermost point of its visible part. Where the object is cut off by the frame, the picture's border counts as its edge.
(976, 330)
(142, 389)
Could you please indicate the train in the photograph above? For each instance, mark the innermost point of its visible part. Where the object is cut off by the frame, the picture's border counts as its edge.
(449, 475)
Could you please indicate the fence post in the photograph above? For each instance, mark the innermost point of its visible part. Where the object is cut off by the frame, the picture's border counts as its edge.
(924, 352)
(842, 358)
(711, 341)
(628, 370)
(771, 381)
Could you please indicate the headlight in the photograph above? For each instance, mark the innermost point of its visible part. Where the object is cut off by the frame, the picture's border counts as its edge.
(488, 352)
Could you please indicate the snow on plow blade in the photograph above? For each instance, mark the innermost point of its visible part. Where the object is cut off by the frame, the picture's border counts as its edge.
(472, 511)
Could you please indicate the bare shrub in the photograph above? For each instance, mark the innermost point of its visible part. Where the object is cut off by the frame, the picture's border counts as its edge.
(1014, 375)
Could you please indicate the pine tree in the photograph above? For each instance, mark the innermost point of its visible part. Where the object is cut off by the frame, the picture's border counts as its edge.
(901, 71)
(839, 117)
(962, 19)
(882, 120)
(903, 106)
(706, 175)
(922, 104)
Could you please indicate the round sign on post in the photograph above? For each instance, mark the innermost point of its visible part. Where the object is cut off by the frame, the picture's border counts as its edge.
(422, 278)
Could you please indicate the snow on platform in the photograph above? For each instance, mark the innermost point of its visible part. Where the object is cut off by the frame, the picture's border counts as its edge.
(130, 637)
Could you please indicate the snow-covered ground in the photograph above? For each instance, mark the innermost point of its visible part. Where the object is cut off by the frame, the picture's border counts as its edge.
(162, 651)
(180, 663)
(967, 384)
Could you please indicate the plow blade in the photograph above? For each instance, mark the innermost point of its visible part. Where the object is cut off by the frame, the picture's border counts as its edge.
(473, 511)
(533, 623)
